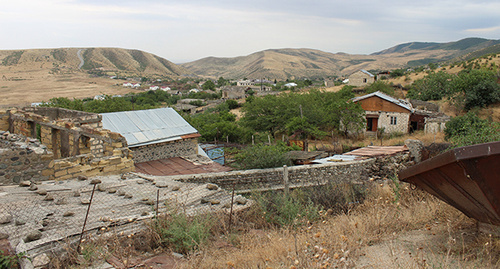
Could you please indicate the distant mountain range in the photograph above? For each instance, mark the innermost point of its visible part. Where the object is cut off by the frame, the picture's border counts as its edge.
(271, 64)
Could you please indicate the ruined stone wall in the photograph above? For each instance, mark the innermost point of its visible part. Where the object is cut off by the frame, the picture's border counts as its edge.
(303, 175)
(22, 159)
(166, 150)
(78, 147)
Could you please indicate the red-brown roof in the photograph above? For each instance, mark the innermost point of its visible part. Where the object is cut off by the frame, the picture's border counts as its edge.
(177, 166)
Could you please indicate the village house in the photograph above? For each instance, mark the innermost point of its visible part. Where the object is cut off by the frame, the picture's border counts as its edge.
(153, 134)
(234, 92)
(384, 111)
(361, 78)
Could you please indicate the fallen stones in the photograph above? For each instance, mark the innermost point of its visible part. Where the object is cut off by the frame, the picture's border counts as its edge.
(25, 183)
(20, 222)
(4, 236)
(212, 187)
(240, 200)
(49, 197)
(5, 218)
(61, 201)
(176, 188)
(85, 201)
(95, 181)
(33, 187)
(101, 187)
(76, 193)
(68, 214)
(82, 177)
(121, 192)
(41, 261)
(41, 191)
(111, 190)
(33, 236)
(161, 184)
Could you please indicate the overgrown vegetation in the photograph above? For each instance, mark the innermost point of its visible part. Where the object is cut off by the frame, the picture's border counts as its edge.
(469, 129)
(261, 156)
(470, 88)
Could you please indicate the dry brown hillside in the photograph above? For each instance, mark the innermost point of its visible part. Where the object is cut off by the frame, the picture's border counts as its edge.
(37, 75)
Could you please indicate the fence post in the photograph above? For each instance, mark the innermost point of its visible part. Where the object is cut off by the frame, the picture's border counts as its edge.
(87, 215)
(285, 180)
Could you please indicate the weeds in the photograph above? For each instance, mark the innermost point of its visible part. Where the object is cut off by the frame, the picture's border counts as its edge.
(10, 261)
(182, 233)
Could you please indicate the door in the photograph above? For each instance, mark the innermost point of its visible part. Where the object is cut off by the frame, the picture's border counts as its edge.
(371, 124)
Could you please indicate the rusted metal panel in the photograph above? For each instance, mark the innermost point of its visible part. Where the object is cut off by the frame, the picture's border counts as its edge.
(467, 178)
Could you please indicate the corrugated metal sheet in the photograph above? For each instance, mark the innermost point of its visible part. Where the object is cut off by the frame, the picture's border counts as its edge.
(467, 178)
(144, 127)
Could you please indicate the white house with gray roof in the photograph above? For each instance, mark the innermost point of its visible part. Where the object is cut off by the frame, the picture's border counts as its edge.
(384, 111)
(361, 78)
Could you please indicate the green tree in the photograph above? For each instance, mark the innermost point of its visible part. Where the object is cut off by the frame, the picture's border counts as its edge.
(261, 156)
(380, 86)
(470, 129)
(475, 88)
(434, 86)
(208, 85)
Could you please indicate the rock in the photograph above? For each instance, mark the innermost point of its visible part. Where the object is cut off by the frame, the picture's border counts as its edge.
(144, 213)
(68, 214)
(49, 197)
(101, 187)
(415, 147)
(40, 261)
(177, 255)
(149, 202)
(61, 201)
(227, 205)
(161, 184)
(212, 187)
(25, 183)
(214, 202)
(82, 177)
(95, 181)
(20, 222)
(76, 193)
(85, 201)
(240, 200)
(140, 181)
(111, 190)
(33, 187)
(121, 192)
(5, 218)
(128, 196)
(33, 236)
(4, 236)
(204, 201)
(41, 191)
(176, 188)
(123, 176)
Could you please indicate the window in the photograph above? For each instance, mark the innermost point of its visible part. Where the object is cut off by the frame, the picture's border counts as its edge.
(365, 80)
(394, 120)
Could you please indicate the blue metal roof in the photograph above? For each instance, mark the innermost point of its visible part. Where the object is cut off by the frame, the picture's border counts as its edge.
(144, 127)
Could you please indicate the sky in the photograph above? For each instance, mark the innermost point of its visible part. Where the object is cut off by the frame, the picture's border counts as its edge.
(188, 30)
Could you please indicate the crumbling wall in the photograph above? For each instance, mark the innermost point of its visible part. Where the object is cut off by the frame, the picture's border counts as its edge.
(185, 147)
(79, 145)
(22, 159)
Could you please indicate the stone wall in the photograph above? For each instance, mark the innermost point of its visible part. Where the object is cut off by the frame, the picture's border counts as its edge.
(165, 150)
(303, 175)
(22, 159)
(79, 145)
(435, 124)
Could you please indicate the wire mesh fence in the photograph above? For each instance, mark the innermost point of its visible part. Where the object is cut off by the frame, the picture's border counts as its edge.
(42, 215)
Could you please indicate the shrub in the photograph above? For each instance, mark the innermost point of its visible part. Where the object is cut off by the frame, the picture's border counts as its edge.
(263, 156)
(182, 233)
(470, 129)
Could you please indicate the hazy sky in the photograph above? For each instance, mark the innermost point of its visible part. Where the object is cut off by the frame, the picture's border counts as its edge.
(186, 30)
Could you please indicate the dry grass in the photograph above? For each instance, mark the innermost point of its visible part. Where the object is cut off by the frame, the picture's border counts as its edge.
(419, 231)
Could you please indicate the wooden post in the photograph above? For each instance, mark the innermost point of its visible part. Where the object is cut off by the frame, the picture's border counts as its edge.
(269, 139)
(285, 180)
(253, 141)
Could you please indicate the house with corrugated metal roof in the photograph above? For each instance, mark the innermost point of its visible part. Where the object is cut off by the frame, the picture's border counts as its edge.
(361, 78)
(154, 134)
(384, 111)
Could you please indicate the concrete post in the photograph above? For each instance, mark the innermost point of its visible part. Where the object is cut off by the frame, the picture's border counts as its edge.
(285, 180)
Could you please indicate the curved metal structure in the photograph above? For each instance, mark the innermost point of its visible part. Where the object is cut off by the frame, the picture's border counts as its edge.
(467, 178)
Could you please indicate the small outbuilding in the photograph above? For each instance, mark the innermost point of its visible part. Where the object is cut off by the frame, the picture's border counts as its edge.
(361, 78)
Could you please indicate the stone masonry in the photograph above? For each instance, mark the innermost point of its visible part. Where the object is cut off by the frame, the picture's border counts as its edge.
(78, 143)
(165, 150)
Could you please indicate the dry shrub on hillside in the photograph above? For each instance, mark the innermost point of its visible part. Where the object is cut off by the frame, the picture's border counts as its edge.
(343, 240)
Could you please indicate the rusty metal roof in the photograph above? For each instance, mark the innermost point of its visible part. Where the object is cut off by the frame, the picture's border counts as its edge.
(467, 178)
(376, 151)
(144, 127)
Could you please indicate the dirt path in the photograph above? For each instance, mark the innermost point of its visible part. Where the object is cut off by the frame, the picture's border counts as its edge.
(82, 61)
